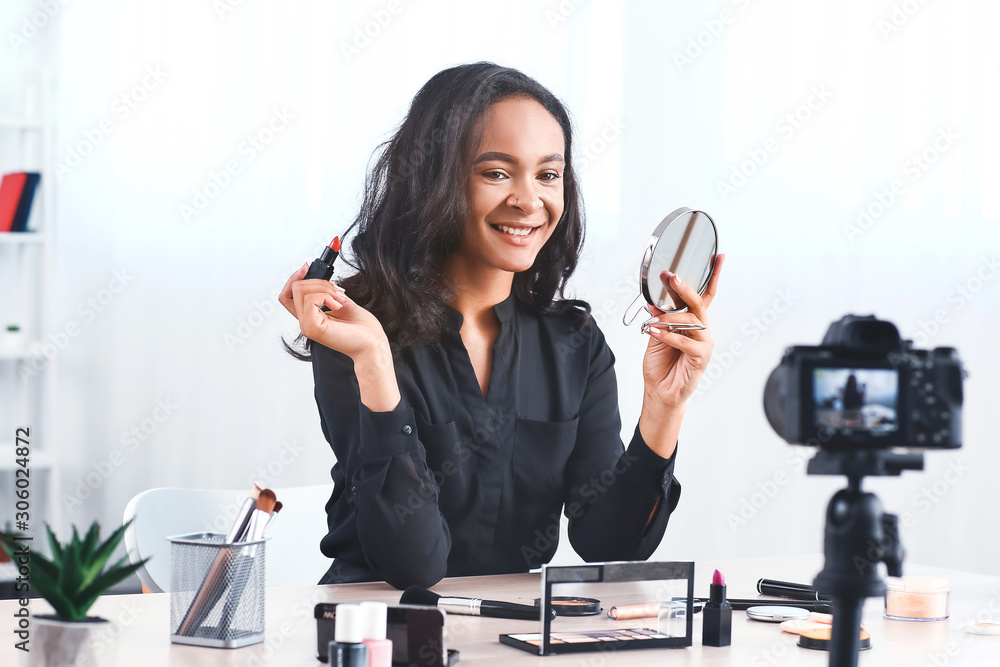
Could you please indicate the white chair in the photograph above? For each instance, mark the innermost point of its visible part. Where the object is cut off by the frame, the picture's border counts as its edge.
(293, 555)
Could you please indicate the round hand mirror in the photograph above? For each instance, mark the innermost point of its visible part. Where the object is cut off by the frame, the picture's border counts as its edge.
(685, 242)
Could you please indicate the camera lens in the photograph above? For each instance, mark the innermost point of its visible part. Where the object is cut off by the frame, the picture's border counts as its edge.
(775, 404)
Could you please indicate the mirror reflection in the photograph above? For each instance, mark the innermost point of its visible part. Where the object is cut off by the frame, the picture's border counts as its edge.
(686, 245)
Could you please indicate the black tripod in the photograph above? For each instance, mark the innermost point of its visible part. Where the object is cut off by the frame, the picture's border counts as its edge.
(858, 536)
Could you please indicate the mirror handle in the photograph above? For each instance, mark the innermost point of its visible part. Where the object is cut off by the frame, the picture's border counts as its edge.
(626, 320)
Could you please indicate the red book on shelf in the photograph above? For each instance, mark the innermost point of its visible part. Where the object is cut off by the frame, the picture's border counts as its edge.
(11, 189)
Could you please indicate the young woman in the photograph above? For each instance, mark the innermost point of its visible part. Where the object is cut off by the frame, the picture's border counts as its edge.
(467, 402)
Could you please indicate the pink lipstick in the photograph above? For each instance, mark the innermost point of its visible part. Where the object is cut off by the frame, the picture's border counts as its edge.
(717, 619)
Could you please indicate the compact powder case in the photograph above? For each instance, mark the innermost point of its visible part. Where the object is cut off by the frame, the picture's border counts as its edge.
(820, 639)
(776, 614)
(573, 606)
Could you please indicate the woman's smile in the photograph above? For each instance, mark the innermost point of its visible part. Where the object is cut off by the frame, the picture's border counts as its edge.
(515, 189)
(519, 235)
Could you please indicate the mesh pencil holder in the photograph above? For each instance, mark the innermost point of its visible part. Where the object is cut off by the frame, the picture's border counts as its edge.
(216, 591)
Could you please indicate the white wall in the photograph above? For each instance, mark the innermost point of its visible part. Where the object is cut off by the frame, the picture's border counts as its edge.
(661, 132)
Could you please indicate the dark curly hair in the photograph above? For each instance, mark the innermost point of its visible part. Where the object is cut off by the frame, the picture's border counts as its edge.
(414, 209)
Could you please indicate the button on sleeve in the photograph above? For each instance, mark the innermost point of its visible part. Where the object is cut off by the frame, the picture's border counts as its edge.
(387, 433)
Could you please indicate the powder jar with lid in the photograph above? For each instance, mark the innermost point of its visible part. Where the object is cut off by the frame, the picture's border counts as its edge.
(916, 598)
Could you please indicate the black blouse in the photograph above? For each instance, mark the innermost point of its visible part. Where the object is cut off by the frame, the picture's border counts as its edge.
(450, 483)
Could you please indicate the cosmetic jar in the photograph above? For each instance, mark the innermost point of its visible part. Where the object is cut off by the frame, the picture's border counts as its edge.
(916, 598)
(672, 618)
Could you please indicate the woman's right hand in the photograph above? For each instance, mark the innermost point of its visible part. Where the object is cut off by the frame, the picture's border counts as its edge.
(346, 327)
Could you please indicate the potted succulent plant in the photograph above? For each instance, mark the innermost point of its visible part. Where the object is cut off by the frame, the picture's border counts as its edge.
(13, 339)
(71, 582)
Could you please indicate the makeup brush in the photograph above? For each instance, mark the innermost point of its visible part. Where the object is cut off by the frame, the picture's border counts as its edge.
(277, 508)
(471, 606)
(208, 593)
(239, 529)
(243, 562)
(261, 515)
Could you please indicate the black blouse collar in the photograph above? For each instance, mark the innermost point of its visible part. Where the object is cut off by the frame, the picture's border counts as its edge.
(504, 311)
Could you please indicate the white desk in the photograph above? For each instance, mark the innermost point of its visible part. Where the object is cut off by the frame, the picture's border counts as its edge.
(291, 629)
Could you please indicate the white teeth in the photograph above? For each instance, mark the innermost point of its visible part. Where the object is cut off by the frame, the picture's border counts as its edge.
(514, 232)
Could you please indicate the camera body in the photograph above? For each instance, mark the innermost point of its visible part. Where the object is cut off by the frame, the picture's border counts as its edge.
(865, 388)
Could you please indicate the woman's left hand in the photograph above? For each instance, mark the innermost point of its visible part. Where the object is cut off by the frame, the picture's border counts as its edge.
(675, 362)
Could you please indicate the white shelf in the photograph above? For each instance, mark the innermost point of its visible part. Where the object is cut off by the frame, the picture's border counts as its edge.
(21, 123)
(32, 349)
(31, 130)
(23, 237)
(37, 460)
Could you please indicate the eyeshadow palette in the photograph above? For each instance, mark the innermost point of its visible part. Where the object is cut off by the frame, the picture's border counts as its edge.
(584, 639)
(607, 638)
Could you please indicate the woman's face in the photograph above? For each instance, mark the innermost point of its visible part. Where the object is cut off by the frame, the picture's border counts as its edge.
(521, 158)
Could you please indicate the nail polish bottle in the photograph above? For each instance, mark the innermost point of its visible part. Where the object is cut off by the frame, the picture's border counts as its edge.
(347, 649)
(373, 616)
(717, 618)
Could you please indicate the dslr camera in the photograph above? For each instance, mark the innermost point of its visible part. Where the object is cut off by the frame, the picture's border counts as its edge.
(865, 388)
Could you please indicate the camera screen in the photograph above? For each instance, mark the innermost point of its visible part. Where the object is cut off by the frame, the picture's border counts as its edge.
(856, 398)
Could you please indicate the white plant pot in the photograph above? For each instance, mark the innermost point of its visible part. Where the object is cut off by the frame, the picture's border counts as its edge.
(58, 643)
(13, 342)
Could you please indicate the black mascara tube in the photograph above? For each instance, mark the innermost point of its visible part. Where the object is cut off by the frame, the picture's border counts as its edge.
(787, 589)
